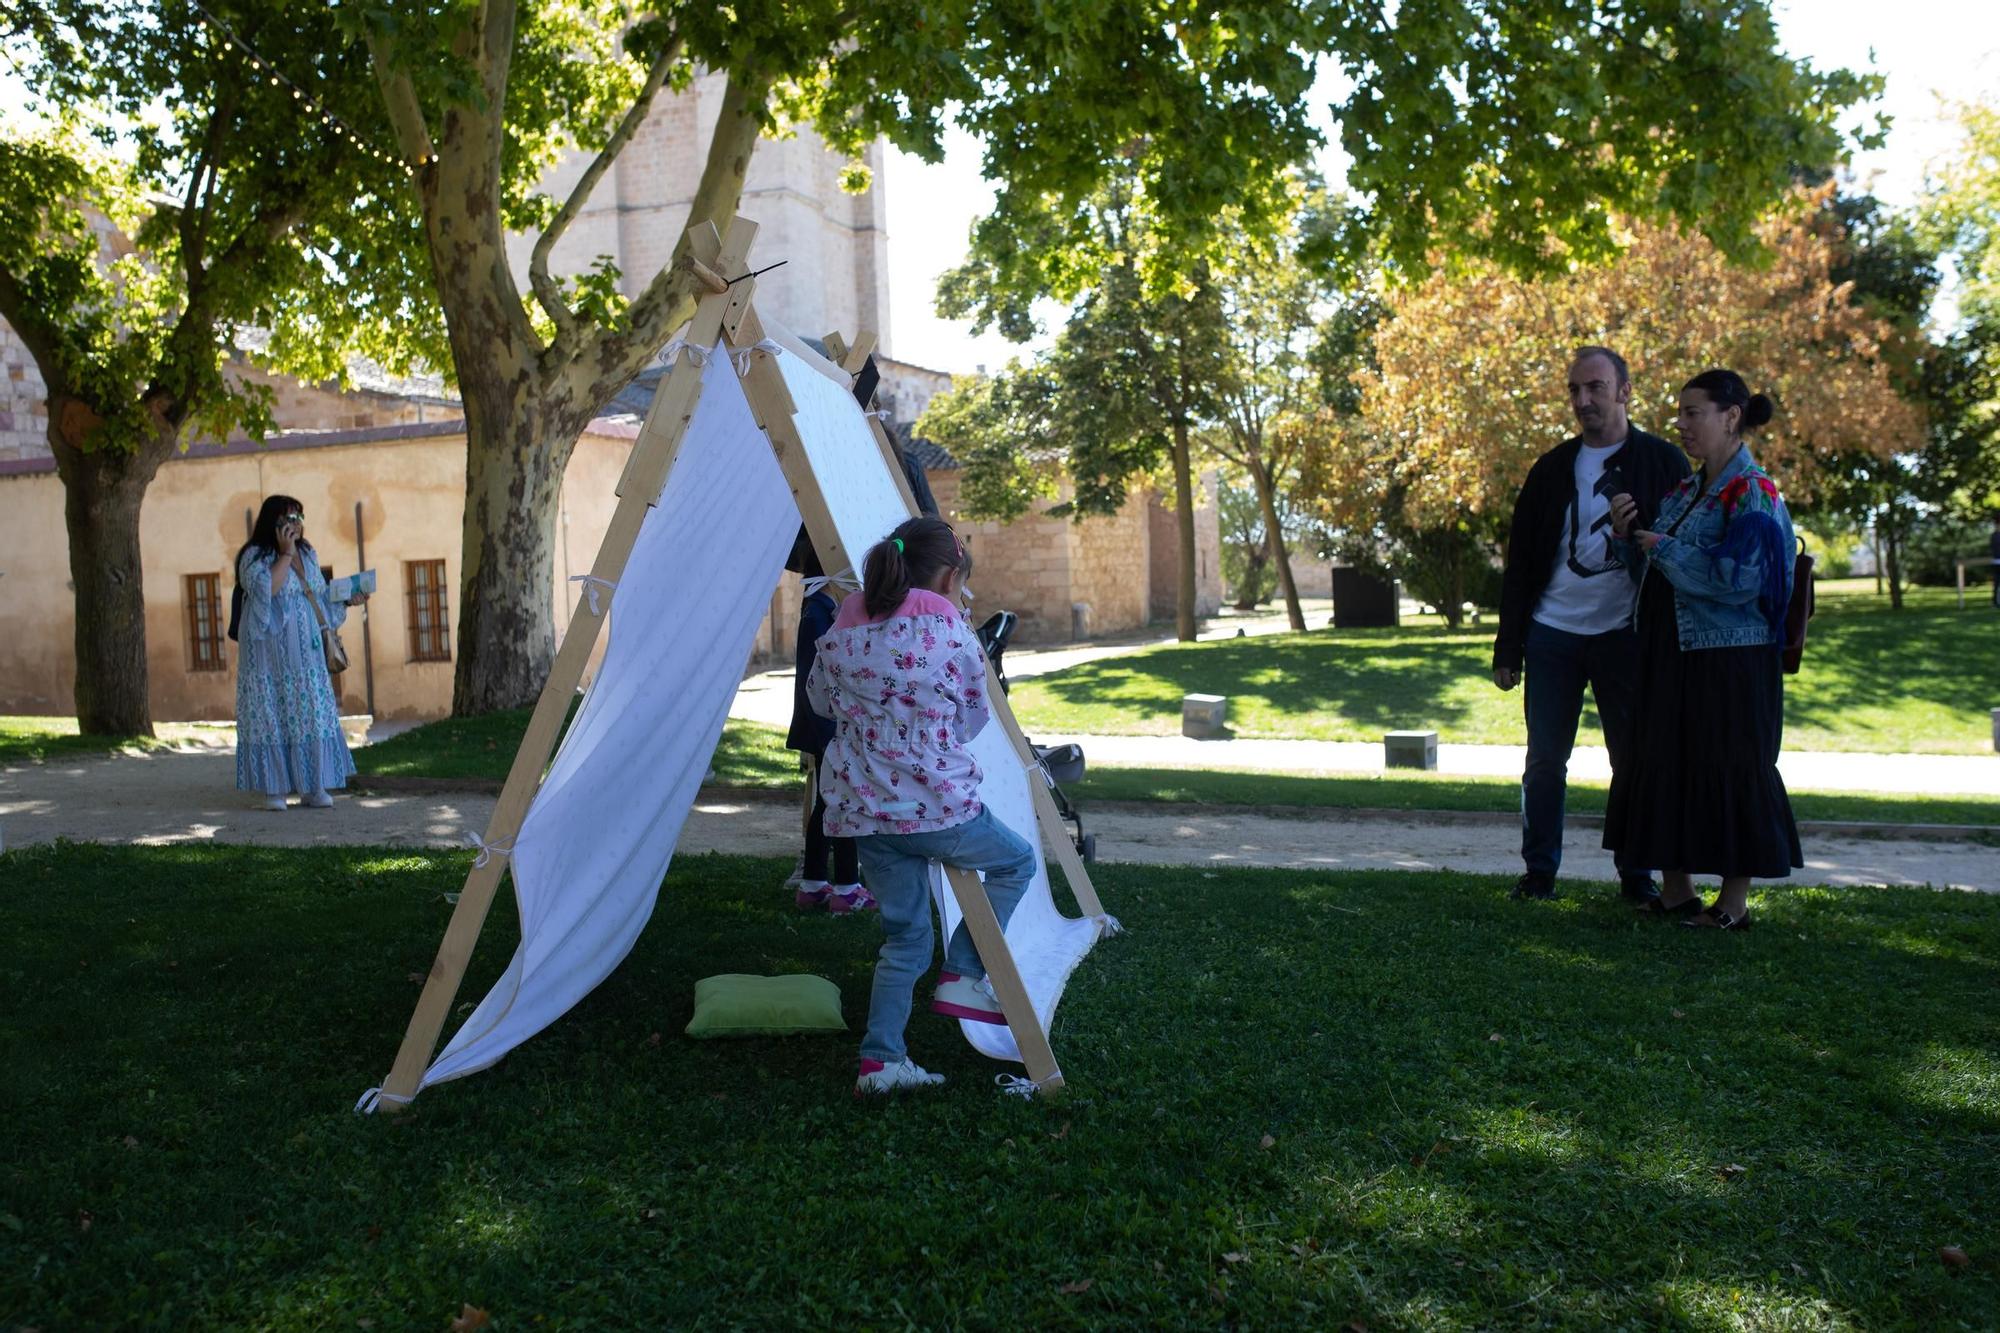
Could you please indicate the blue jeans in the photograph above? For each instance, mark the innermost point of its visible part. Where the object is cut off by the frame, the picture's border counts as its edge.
(897, 868)
(1559, 664)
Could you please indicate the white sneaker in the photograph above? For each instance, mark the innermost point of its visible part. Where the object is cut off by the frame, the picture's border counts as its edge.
(275, 803)
(877, 1077)
(319, 800)
(957, 997)
(797, 877)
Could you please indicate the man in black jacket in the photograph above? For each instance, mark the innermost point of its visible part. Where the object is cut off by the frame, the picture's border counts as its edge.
(1566, 602)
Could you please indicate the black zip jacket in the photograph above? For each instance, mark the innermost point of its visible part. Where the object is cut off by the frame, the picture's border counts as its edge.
(1652, 467)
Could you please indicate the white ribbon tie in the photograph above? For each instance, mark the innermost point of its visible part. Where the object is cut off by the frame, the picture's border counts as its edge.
(743, 356)
(697, 354)
(591, 584)
(374, 1097)
(489, 850)
(844, 579)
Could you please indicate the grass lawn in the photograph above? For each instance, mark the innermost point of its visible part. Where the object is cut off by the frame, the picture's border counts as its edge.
(1924, 680)
(31, 740)
(482, 748)
(752, 755)
(1297, 1100)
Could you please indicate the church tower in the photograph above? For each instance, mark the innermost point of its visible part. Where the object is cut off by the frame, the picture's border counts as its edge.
(836, 278)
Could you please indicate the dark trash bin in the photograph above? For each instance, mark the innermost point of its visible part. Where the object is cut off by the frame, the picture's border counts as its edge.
(1362, 600)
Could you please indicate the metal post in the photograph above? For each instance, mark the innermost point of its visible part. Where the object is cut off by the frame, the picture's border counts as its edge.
(367, 648)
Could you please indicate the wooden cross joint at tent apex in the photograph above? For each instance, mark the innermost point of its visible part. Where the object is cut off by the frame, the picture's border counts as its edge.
(726, 321)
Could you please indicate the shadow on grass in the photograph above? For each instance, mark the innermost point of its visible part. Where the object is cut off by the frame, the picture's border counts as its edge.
(1670, 1126)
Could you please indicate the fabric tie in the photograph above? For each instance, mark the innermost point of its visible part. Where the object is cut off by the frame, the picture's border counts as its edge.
(1107, 926)
(1016, 1086)
(591, 584)
(883, 414)
(489, 850)
(697, 354)
(743, 356)
(844, 579)
(374, 1097)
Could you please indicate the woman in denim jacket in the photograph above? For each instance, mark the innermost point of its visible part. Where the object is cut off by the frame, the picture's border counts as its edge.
(1702, 794)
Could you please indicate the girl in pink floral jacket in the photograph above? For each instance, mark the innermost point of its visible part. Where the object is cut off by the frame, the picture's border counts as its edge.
(903, 678)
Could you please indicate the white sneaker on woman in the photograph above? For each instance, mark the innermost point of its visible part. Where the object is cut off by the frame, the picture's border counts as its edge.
(319, 800)
(275, 803)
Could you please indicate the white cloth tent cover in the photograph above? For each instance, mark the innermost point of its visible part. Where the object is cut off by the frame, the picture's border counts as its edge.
(600, 833)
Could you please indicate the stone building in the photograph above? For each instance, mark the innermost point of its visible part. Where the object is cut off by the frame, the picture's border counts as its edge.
(396, 449)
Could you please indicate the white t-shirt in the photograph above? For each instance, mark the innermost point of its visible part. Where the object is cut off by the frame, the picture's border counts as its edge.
(1589, 591)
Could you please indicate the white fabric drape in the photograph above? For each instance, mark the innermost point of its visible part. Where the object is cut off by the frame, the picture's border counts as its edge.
(597, 840)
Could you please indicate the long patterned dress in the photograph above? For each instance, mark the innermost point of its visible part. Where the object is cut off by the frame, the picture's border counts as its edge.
(287, 723)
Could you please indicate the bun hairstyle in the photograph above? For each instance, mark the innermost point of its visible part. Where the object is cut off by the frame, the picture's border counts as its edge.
(910, 557)
(1725, 388)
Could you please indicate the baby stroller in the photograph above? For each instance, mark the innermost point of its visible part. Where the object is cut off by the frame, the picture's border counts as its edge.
(1059, 763)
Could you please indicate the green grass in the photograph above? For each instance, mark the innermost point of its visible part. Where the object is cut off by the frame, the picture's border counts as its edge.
(1268, 790)
(482, 748)
(34, 740)
(753, 755)
(1923, 680)
(1296, 1100)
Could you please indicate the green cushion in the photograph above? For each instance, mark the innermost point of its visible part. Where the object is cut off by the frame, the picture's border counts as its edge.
(735, 1005)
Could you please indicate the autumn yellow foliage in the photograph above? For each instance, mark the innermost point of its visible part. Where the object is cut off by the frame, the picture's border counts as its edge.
(1469, 383)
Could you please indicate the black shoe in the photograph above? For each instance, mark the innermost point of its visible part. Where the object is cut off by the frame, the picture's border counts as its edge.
(1533, 885)
(1639, 890)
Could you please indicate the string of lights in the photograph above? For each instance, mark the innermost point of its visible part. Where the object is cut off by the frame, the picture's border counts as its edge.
(278, 79)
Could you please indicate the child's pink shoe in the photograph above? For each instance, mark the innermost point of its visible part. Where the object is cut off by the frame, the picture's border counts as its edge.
(812, 894)
(974, 1000)
(844, 898)
(876, 1077)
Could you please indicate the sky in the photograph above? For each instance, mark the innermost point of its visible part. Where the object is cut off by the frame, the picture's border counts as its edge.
(1924, 48)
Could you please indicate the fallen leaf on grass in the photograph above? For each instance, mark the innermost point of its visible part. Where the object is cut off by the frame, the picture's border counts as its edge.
(84, 1218)
(1954, 1257)
(1078, 1287)
(470, 1318)
(1354, 1326)
(364, 1322)
(1062, 1133)
(1236, 1257)
(1496, 1037)
(1677, 1013)
(1267, 1142)
(1729, 1171)
(417, 977)
(131, 1142)
(654, 1039)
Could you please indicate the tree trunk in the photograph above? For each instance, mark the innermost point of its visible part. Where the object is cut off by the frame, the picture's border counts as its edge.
(102, 492)
(1894, 556)
(1184, 598)
(514, 461)
(1267, 503)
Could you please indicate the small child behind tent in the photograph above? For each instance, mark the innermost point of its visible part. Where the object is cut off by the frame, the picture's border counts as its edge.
(809, 735)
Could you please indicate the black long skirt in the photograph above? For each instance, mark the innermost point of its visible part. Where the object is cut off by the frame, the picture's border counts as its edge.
(1700, 791)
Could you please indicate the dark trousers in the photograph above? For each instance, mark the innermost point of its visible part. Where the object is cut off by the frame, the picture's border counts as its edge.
(1559, 664)
(846, 863)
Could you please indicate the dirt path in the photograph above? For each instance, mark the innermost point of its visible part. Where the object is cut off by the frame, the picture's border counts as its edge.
(170, 797)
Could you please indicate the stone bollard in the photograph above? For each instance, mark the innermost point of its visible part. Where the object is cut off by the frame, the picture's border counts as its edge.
(1203, 716)
(1410, 749)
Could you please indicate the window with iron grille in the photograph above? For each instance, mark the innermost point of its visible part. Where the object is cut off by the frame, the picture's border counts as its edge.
(202, 595)
(430, 631)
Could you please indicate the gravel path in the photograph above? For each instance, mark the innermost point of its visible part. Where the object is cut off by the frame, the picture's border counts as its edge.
(175, 797)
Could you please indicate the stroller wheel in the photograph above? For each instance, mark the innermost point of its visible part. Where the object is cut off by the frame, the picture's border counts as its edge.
(1086, 847)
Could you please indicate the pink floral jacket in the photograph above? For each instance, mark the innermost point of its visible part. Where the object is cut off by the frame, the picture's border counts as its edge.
(905, 693)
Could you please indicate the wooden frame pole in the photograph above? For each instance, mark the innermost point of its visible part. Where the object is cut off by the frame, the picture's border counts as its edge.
(646, 471)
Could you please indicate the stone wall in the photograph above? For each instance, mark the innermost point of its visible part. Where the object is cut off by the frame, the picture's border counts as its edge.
(1108, 560)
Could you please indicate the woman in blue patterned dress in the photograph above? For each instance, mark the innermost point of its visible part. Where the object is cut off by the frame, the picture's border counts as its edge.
(287, 723)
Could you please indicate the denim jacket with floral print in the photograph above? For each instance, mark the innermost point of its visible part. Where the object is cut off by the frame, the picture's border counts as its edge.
(1729, 559)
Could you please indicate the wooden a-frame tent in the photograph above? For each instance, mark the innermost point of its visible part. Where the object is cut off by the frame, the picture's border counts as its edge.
(727, 324)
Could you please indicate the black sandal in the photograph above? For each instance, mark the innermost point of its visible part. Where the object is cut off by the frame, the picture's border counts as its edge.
(1686, 907)
(1714, 918)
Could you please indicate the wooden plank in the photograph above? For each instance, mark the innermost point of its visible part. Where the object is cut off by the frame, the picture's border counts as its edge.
(853, 356)
(798, 347)
(772, 403)
(1005, 977)
(524, 777)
